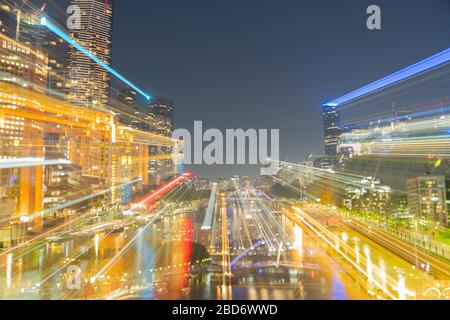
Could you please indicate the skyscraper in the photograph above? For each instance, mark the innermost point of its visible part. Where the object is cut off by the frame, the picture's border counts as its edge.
(162, 110)
(332, 128)
(89, 82)
(427, 198)
(31, 32)
(23, 70)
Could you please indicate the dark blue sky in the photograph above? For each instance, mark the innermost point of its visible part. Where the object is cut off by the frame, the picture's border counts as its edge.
(267, 63)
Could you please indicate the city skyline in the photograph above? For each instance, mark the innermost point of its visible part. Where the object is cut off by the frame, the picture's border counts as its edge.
(238, 45)
(296, 99)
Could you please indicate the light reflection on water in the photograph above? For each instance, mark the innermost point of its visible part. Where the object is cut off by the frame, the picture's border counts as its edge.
(137, 274)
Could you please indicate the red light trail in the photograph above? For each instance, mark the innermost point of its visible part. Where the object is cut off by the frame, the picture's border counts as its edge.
(153, 196)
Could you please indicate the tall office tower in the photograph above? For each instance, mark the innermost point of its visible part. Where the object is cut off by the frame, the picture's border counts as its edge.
(127, 109)
(162, 111)
(31, 32)
(21, 22)
(332, 128)
(427, 198)
(89, 82)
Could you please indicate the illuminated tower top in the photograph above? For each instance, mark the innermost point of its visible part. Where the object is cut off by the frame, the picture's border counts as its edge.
(89, 82)
(332, 128)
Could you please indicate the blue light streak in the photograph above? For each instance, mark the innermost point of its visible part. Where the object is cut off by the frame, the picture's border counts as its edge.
(420, 67)
(53, 28)
(243, 254)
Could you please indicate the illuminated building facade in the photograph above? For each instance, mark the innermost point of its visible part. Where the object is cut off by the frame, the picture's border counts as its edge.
(427, 198)
(23, 24)
(306, 174)
(23, 64)
(368, 197)
(332, 130)
(154, 118)
(89, 82)
(31, 32)
(160, 112)
(326, 162)
(24, 68)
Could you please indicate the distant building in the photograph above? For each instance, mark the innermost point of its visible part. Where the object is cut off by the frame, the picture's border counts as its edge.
(286, 173)
(127, 109)
(161, 111)
(155, 117)
(399, 206)
(158, 118)
(265, 183)
(344, 155)
(89, 82)
(326, 162)
(332, 130)
(427, 198)
(201, 184)
(127, 96)
(368, 197)
(307, 173)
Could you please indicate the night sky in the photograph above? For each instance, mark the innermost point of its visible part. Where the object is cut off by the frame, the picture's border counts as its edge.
(266, 63)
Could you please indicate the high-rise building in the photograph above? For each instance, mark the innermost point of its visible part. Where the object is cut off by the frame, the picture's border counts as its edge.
(20, 22)
(89, 82)
(127, 109)
(427, 198)
(23, 69)
(155, 117)
(161, 110)
(23, 64)
(332, 128)
(158, 117)
(127, 96)
(368, 197)
(31, 32)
